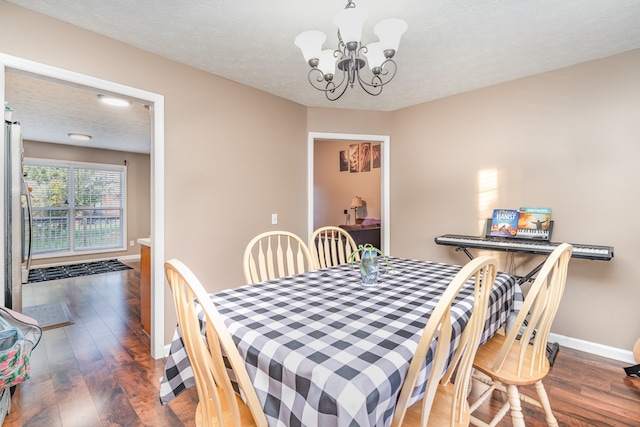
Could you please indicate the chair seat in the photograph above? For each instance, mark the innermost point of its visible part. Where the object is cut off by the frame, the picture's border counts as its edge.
(488, 352)
(246, 418)
(440, 414)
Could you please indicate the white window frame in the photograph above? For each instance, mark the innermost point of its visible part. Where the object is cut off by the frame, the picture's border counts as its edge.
(33, 161)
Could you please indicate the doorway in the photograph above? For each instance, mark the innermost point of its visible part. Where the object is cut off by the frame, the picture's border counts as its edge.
(156, 106)
(384, 140)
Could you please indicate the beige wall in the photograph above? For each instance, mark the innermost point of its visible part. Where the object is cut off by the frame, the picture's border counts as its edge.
(337, 120)
(566, 139)
(334, 190)
(234, 155)
(138, 187)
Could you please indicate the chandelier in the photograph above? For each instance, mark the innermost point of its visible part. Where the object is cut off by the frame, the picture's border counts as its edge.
(348, 57)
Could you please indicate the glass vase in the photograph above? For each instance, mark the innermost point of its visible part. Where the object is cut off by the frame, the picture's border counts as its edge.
(369, 269)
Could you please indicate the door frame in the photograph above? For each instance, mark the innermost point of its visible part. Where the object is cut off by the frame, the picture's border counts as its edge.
(385, 142)
(156, 104)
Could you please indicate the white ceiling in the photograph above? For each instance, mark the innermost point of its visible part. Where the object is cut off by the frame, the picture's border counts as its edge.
(48, 111)
(451, 46)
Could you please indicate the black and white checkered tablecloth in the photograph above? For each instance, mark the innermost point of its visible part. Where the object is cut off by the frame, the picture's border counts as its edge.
(324, 350)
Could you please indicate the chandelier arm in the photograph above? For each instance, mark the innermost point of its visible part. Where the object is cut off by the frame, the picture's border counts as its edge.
(317, 81)
(342, 81)
(316, 77)
(377, 88)
(343, 84)
(377, 81)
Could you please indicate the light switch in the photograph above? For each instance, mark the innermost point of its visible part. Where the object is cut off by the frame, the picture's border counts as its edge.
(274, 218)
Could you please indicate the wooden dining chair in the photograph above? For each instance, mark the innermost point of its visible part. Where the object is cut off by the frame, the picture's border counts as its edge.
(520, 357)
(445, 400)
(275, 254)
(331, 246)
(219, 405)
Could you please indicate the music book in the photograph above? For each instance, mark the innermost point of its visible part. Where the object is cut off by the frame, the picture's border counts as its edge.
(504, 222)
(534, 223)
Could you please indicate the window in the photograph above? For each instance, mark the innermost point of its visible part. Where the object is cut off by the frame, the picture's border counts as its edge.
(78, 208)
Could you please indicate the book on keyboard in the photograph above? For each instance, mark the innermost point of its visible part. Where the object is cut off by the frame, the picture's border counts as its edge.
(504, 222)
(534, 223)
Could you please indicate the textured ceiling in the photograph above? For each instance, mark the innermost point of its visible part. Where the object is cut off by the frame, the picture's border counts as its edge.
(48, 111)
(450, 47)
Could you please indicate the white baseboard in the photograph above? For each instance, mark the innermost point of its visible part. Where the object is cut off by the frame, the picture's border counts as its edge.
(167, 349)
(134, 257)
(593, 348)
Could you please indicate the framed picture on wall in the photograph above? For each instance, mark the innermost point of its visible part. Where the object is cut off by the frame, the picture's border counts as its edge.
(375, 155)
(354, 154)
(344, 161)
(365, 156)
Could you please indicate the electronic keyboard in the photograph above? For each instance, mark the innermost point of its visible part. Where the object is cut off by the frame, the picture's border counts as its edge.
(593, 252)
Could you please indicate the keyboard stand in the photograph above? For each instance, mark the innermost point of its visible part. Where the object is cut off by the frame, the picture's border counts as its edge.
(552, 349)
(539, 247)
(530, 277)
(466, 251)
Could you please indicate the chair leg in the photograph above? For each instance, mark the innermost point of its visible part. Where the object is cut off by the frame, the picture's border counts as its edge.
(200, 417)
(516, 408)
(487, 394)
(544, 401)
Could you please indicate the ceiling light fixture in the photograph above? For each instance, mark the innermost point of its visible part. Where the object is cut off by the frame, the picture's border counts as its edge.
(113, 101)
(348, 56)
(79, 136)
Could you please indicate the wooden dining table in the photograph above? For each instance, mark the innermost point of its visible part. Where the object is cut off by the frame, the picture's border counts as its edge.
(324, 350)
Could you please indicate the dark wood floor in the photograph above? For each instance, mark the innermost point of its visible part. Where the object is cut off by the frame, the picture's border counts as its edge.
(98, 371)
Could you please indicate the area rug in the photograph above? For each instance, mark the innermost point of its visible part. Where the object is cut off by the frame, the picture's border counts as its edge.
(75, 270)
(50, 316)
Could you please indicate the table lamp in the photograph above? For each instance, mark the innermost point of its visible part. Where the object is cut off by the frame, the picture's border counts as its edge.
(355, 204)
